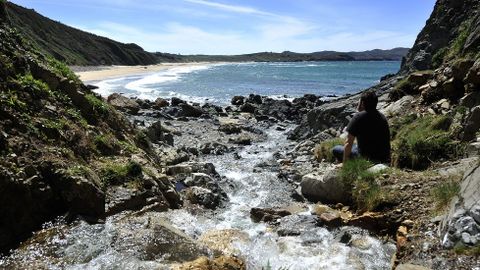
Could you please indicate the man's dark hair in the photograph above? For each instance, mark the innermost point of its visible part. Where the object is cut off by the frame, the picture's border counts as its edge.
(369, 100)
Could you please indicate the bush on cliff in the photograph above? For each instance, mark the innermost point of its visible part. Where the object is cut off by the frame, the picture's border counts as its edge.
(418, 144)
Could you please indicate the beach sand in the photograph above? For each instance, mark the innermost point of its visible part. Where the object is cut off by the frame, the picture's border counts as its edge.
(110, 72)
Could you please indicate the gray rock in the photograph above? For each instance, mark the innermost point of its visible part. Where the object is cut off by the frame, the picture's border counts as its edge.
(192, 167)
(399, 107)
(123, 103)
(408, 266)
(328, 188)
(472, 125)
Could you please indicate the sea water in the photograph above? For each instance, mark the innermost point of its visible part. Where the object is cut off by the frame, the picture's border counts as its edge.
(218, 83)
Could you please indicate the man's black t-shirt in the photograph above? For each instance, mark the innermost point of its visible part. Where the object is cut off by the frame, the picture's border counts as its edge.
(373, 135)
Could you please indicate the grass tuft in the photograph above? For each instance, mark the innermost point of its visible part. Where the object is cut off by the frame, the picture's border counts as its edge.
(418, 144)
(323, 151)
(444, 193)
(366, 191)
(117, 174)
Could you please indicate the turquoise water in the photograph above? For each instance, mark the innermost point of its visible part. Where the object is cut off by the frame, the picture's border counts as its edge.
(218, 83)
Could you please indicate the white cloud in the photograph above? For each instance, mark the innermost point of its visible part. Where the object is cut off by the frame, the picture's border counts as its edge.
(175, 37)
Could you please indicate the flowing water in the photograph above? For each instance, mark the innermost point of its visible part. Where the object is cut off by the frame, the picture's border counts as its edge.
(128, 241)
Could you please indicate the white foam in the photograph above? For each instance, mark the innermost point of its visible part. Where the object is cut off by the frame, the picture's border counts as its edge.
(144, 84)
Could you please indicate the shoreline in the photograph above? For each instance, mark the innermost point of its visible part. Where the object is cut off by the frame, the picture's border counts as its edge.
(99, 73)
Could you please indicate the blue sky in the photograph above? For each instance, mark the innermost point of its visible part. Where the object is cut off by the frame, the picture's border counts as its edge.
(234, 27)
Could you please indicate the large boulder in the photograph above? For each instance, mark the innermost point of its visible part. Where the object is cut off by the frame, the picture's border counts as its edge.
(327, 188)
(123, 103)
(204, 190)
(187, 110)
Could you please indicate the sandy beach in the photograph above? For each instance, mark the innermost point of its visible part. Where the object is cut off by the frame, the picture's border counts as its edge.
(110, 72)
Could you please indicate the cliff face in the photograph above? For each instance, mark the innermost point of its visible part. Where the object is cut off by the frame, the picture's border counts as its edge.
(452, 30)
(62, 148)
(73, 46)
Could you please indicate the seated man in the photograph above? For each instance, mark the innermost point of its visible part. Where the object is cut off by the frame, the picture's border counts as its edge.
(370, 128)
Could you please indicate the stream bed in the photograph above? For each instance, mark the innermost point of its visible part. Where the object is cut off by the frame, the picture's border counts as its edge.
(159, 240)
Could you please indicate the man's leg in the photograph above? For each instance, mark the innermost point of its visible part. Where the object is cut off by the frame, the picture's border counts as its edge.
(338, 150)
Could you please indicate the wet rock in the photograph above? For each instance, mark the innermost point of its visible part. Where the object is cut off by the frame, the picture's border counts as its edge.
(279, 109)
(156, 133)
(160, 103)
(187, 110)
(192, 167)
(203, 196)
(121, 198)
(238, 100)
(230, 128)
(214, 148)
(220, 263)
(408, 266)
(248, 108)
(242, 139)
(267, 214)
(327, 188)
(176, 101)
(293, 225)
(173, 156)
(254, 99)
(224, 241)
(123, 103)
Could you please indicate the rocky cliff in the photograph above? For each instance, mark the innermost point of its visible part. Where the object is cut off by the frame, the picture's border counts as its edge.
(63, 149)
(452, 31)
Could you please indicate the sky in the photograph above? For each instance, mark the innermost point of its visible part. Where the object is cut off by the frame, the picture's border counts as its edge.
(245, 26)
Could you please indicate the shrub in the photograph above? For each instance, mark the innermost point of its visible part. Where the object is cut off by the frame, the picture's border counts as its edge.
(98, 105)
(107, 144)
(439, 56)
(425, 140)
(458, 43)
(62, 69)
(36, 87)
(116, 174)
(323, 151)
(366, 191)
(443, 193)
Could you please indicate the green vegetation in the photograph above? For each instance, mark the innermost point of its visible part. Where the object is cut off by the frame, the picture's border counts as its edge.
(75, 114)
(11, 100)
(443, 193)
(323, 151)
(425, 140)
(366, 191)
(439, 56)
(117, 174)
(107, 144)
(457, 45)
(62, 69)
(36, 87)
(461, 249)
(99, 106)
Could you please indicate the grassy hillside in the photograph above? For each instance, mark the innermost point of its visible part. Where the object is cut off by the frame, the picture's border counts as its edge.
(73, 46)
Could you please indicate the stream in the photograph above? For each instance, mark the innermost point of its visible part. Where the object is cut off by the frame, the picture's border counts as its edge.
(130, 240)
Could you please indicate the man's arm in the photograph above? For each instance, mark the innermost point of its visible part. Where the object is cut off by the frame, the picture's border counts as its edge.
(348, 147)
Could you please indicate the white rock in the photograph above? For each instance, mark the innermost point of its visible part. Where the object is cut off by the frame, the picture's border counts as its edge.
(378, 168)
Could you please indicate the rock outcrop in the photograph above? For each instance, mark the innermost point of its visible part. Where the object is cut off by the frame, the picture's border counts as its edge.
(461, 226)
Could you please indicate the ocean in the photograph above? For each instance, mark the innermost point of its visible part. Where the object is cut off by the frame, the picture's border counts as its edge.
(218, 83)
